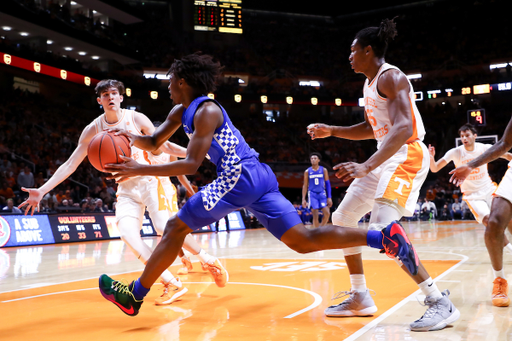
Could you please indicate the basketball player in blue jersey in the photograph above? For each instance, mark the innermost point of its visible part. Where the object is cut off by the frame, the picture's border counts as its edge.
(242, 181)
(318, 188)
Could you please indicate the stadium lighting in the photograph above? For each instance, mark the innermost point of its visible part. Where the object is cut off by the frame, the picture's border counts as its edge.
(498, 66)
(289, 99)
(309, 83)
(95, 57)
(49, 42)
(264, 99)
(6, 28)
(238, 98)
(414, 76)
(24, 34)
(82, 53)
(68, 48)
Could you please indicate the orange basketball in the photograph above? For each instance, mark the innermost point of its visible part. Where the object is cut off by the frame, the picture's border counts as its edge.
(106, 147)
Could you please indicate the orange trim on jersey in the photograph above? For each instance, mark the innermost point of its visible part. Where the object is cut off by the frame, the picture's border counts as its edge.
(146, 156)
(135, 124)
(471, 209)
(400, 185)
(163, 203)
(113, 124)
(414, 136)
(376, 76)
(380, 97)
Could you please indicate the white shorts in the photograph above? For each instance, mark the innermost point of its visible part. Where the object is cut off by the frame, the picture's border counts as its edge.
(480, 202)
(397, 180)
(505, 188)
(158, 194)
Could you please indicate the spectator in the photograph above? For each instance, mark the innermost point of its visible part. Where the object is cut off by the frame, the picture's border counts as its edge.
(10, 208)
(26, 178)
(428, 210)
(456, 210)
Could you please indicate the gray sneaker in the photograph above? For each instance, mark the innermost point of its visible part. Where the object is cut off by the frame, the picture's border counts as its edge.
(357, 304)
(440, 313)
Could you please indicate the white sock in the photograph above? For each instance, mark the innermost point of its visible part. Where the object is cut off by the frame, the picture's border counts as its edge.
(508, 247)
(167, 277)
(429, 288)
(204, 257)
(358, 283)
(499, 273)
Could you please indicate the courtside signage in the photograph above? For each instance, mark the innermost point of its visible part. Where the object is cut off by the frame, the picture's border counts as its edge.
(20, 230)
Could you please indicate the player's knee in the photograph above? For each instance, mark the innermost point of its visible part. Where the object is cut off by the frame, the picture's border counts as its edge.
(495, 225)
(352, 251)
(345, 218)
(175, 227)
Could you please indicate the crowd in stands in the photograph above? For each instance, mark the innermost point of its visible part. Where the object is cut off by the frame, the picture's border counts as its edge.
(36, 135)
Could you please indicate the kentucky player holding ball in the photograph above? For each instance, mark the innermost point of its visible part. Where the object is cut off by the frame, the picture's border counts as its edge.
(318, 188)
(135, 194)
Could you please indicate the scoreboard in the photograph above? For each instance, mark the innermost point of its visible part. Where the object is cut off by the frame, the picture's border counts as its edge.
(223, 16)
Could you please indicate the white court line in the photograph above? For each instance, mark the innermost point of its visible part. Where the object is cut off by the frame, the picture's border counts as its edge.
(400, 304)
(316, 303)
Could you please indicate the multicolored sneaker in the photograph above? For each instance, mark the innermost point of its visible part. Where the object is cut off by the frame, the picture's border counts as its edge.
(187, 266)
(500, 293)
(171, 293)
(204, 267)
(396, 244)
(219, 274)
(120, 293)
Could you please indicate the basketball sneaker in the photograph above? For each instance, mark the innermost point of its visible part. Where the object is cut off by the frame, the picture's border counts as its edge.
(204, 267)
(500, 293)
(357, 304)
(440, 313)
(397, 244)
(219, 274)
(171, 293)
(120, 293)
(187, 266)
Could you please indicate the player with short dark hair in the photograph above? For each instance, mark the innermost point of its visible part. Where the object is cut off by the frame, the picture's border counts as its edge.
(388, 183)
(478, 192)
(242, 181)
(317, 187)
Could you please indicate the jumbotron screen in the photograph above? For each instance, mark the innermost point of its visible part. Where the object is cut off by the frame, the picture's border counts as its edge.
(223, 16)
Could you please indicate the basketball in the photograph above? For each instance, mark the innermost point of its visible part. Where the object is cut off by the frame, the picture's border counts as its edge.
(105, 148)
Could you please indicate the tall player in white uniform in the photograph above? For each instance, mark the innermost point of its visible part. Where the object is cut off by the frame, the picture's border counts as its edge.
(478, 191)
(388, 183)
(133, 195)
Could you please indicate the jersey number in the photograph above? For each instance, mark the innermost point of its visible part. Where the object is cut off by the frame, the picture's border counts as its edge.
(316, 181)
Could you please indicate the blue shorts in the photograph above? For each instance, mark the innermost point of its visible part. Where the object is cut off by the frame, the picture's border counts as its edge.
(317, 200)
(256, 189)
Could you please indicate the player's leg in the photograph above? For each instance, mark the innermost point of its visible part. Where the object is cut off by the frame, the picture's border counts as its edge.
(192, 246)
(501, 213)
(359, 301)
(315, 217)
(327, 214)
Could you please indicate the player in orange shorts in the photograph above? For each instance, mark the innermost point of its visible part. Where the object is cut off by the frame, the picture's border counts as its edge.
(389, 182)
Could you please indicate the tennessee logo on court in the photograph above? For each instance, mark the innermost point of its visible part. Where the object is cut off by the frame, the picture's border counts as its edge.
(5, 232)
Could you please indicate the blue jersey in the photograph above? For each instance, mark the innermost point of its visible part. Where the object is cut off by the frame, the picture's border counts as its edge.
(228, 146)
(316, 180)
(242, 181)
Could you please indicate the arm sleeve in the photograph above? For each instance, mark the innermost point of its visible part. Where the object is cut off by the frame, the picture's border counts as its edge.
(328, 188)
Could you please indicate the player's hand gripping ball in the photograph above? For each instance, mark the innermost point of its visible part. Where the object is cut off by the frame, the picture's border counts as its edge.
(105, 147)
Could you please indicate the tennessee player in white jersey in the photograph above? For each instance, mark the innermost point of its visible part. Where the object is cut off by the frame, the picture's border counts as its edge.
(388, 183)
(134, 194)
(478, 189)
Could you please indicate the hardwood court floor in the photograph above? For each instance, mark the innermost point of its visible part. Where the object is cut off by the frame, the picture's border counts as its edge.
(51, 292)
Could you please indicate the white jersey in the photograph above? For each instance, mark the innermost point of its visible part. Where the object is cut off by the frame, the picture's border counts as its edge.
(127, 122)
(479, 178)
(377, 111)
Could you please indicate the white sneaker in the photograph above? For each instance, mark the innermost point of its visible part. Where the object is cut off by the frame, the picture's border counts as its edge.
(171, 293)
(357, 304)
(440, 313)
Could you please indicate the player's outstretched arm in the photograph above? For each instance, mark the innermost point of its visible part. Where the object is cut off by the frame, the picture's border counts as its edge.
(62, 173)
(207, 118)
(360, 131)
(435, 166)
(154, 138)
